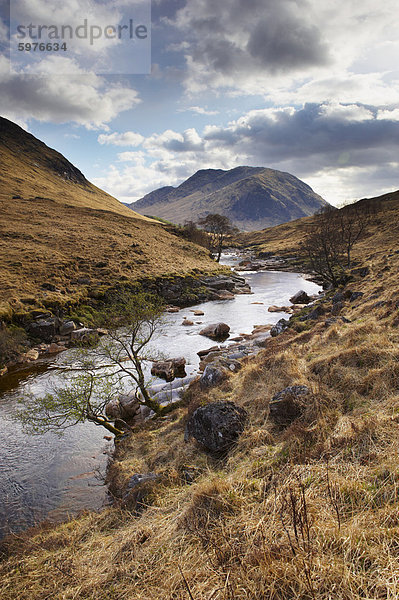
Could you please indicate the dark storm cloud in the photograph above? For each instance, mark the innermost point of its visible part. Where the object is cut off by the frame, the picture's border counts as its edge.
(238, 36)
(314, 131)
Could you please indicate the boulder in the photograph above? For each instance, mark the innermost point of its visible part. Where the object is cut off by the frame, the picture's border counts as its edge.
(187, 323)
(216, 331)
(202, 353)
(216, 426)
(32, 354)
(55, 348)
(198, 313)
(43, 329)
(169, 369)
(83, 334)
(288, 405)
(67, 327)
(274, 309)
(173, 309)
(279, 327)
(211, 376)
(338, 297)
(300, 297)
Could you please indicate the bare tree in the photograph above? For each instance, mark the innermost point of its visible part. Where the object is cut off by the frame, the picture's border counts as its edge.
(218, 227)
(331, 237)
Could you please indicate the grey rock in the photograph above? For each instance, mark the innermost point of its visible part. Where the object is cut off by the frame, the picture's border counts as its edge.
(169, 369)
(67, 327)
(300, 297)
(287, 406)
(211, 376)
(338, 297)
(216, 426)
(216, 331)
(337, 307)
(43, 329)
(279, 327)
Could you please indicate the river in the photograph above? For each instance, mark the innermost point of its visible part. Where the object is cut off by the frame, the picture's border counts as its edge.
(51, 477)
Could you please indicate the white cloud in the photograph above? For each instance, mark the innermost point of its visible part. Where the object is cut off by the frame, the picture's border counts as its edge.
(128, 138)
(81, 97)
(343, 151)
(199, 110)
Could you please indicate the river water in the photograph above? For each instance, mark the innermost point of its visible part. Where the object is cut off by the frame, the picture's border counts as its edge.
(51, 477)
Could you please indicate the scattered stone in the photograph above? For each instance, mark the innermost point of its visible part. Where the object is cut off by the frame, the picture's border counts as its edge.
(42, 329)
(317, 312)
(211, 376)
(202, 353)
(198, 313)
(187, 322)
(67, 328)
(216, 426)
(257, 302)
(239, 338)
(55, 348)
(300, 297)
(32, 354)
(288, 405)
(173, 309)
(169, 369)
(338, 297)
(85, 334)
(279, 327)
(217, 331)
(274, 309)
(355, 296)
(107, 437)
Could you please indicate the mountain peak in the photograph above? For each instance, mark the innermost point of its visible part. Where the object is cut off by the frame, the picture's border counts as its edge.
(252, 197)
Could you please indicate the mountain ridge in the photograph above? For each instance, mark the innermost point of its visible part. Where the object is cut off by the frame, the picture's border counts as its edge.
(252, 197)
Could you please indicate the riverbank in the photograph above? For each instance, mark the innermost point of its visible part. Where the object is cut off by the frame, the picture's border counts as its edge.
(291, 502)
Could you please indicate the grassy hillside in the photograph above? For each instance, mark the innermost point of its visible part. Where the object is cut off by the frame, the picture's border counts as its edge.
(285, 238)
(252, 198)
(57, 228)
(309, 511)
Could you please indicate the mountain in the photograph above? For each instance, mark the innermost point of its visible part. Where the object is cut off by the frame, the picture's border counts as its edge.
(252, 198)
(58, 229)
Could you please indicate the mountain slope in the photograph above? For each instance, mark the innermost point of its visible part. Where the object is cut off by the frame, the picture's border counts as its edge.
(252, 198)
(29, 168)
(60, 230)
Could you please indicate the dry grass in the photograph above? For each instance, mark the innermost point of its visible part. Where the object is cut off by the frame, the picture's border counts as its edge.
(57, 227)
(308, 512)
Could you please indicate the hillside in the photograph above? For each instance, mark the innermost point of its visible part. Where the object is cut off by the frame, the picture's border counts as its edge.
(306, 510)
(252, 198)
(285, 239)
(59, 230)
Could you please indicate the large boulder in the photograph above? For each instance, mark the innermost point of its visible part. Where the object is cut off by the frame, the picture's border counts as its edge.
(216, 331)
(169, 369)
(300, 297)
(216, 426)
(125, 407)
(288, 405)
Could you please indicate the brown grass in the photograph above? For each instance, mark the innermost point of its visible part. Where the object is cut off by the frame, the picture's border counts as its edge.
(308, 512)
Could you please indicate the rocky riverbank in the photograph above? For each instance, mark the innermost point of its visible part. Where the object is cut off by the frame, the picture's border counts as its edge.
(49, 333)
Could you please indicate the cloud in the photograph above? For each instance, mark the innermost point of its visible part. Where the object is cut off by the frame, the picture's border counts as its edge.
(129, 138)
(253, 47)
(80, 97)
(199, 110)
(322, 143)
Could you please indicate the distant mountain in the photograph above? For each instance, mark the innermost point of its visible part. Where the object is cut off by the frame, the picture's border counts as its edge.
(252, 197)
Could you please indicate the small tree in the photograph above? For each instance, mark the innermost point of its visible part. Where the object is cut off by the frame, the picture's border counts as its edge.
(218, 227)
(331, 238)
(101, 375)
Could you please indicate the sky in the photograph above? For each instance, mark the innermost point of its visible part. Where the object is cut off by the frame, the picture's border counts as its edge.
(310, 87)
